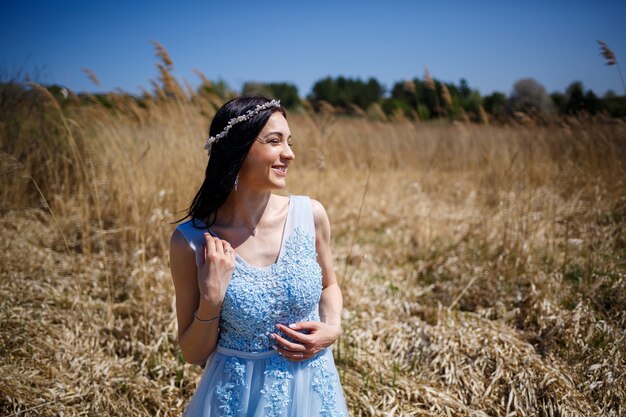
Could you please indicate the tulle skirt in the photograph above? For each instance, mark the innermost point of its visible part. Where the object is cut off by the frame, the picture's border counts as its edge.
(255, 384)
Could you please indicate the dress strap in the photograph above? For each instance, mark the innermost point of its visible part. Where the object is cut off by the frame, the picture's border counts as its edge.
(193, 231)
(301, 215)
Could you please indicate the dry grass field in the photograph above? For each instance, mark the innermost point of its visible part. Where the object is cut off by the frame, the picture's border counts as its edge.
(483, 267)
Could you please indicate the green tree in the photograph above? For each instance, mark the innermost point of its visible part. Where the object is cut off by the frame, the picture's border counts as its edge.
(559, 101)
(574, 98)
(285, 92)
(464, 89)
(343, 91)
(325, 89)
(472, 104)
(615, 105)
(495, 104)
(592, 103)
(609, 95)
(412, 93)
(253, 88)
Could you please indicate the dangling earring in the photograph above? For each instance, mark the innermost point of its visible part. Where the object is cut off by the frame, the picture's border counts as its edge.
(236, 181)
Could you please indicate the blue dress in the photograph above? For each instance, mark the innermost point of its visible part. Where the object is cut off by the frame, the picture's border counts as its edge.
(244, 376)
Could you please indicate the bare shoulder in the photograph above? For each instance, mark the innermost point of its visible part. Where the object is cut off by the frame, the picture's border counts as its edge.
(319, 212)
(182, 260)
(177, 239)
(179, 245)
(322, 224)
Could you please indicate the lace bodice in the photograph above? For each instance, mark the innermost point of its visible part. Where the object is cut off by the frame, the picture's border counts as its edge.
(285, 292)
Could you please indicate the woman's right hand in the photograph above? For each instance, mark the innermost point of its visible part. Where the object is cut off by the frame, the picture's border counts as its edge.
(216, 269)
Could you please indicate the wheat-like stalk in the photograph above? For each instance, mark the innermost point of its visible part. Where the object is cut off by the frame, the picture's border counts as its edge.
(162, 54)
(409, 86)
(428, 79)
(205, 81)
(607, 53)
(431, 85)
(445, 95)
(92, 76)
(611, 59)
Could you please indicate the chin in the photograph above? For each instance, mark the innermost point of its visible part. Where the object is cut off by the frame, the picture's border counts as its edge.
(279, 185)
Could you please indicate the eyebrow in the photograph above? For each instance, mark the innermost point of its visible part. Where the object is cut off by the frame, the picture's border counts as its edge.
(276, 132)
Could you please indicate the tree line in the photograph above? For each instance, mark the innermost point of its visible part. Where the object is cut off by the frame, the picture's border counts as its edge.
(428, 98)
(415, 99)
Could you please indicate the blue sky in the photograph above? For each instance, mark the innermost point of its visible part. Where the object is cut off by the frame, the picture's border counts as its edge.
(490, 43)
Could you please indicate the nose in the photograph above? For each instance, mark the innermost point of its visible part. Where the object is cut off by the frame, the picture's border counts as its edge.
(287, 152)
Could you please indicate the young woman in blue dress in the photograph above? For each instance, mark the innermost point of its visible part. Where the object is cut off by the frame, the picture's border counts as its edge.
(264, 337)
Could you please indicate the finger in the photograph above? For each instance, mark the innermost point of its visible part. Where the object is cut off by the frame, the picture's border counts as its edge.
(297, 347)
(312, 325)
(293, 333)
(292, 354)
(210, 245)
(219, 247)
(295, 356)
(204, 254)
(227, 248)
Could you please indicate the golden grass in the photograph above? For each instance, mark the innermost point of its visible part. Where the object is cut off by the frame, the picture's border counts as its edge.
(482, 267)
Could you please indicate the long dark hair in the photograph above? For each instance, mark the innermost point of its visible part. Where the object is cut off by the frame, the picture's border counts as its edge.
(227, 155)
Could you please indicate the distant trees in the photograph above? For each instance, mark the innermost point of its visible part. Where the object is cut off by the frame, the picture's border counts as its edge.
(430, 98)
(530, 97)
(343, 91)
(495, 104)
(414, 99)
(285, 92)
(576, 100)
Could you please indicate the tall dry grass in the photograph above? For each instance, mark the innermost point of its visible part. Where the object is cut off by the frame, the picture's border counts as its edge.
(482, 267)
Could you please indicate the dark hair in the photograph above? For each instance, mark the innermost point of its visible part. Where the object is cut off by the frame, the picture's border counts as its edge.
(227, 154)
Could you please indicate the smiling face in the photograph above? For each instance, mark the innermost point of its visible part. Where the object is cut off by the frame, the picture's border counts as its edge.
(266, 165)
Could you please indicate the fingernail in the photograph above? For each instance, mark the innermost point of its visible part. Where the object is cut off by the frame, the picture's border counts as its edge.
(272, 336)
(293, 326)
(274, 347)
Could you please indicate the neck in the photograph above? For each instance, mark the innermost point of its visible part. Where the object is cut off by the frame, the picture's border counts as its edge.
(243, 209)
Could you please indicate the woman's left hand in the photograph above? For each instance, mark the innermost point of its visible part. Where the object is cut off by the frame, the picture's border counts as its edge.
(320, 336)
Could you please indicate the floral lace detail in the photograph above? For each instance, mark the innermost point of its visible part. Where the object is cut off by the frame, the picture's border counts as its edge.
(286, 292)
(325, 384)
(277, 395)
(229, 391)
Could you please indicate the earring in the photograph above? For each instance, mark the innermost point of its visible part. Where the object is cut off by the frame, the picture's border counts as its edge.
(236, 181)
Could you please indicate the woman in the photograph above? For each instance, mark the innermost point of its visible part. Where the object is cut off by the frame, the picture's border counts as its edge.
(257, 299)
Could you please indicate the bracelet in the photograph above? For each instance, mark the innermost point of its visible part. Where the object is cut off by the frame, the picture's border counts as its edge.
(195, 316)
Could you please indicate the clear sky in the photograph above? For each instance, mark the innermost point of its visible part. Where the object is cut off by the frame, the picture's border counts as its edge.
(490, 43)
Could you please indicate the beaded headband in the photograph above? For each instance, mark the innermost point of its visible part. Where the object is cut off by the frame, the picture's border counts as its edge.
(212, 139)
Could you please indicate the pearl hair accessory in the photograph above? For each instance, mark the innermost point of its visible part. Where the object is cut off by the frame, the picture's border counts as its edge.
(212, 139)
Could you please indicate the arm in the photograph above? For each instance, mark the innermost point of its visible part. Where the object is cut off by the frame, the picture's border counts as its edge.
(197, 340)
(331, 302)
(325, 333)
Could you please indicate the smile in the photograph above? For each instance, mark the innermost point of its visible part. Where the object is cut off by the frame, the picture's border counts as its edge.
(280, 170)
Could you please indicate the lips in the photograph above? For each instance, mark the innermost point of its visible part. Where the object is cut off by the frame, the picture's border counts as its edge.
(280, 169)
